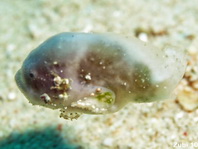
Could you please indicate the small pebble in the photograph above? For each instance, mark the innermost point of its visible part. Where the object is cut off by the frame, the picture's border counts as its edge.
(12, 123)
(143, 37)
(108, 142)
(11, 96)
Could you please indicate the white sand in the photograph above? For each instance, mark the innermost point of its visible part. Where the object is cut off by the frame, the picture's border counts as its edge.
(25, 24)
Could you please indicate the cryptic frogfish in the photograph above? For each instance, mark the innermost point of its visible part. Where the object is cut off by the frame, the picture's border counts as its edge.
(98, 73)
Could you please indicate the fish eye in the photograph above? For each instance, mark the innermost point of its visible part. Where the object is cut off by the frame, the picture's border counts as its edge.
(31, 75)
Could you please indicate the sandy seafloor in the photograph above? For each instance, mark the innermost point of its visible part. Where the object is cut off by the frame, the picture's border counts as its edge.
(159, 125)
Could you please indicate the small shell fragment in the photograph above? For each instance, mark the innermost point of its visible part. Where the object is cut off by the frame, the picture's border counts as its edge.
(188, 87)
(45, 98)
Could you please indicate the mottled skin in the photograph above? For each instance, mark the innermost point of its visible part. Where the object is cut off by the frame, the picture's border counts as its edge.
(96, 66)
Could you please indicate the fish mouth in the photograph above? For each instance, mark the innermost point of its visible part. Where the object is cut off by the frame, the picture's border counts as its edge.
(19, 81)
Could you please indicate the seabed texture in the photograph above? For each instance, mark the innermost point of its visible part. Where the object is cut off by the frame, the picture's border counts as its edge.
(159, 125)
